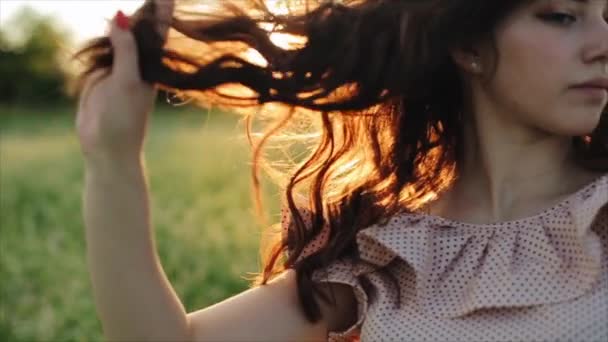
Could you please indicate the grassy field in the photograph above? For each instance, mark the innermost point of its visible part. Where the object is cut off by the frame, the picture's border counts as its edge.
(206, 237)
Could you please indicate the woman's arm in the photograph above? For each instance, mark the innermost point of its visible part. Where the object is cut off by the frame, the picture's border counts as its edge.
(272, 313)
(133, 297)
(136, 302)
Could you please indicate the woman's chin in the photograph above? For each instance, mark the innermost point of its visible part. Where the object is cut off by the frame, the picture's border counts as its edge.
(583, 124)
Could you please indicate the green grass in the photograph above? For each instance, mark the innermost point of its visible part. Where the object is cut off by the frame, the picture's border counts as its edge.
(202, 214)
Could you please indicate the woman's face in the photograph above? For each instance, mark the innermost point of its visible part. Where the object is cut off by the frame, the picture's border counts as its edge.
(545, 48)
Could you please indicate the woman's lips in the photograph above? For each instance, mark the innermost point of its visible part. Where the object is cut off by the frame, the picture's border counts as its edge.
(593, 91)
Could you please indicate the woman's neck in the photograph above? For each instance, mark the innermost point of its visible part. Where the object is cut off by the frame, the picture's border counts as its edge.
(509, 171)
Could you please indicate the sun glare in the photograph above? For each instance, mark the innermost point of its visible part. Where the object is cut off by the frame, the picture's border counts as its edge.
(85, 19)
(283, 40)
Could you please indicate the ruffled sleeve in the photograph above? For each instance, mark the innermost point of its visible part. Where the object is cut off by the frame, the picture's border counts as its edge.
(342, 271)
(345, 272)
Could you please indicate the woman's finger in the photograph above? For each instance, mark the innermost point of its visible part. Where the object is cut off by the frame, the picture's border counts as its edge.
(125, 66)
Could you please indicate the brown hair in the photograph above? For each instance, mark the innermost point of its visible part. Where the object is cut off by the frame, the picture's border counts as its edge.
(373, 83)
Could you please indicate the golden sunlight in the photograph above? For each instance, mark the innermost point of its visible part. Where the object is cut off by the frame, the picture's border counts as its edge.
(282, 40)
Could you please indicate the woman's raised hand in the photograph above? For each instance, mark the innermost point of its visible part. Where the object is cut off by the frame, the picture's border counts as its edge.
(113, 109)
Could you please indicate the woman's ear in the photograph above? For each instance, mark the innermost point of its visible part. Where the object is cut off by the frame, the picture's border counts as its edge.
(467, 60)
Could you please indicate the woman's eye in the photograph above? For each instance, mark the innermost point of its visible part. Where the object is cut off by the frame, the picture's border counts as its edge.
(560, 18)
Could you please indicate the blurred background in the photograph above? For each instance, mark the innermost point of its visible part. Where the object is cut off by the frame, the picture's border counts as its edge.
(197, 165)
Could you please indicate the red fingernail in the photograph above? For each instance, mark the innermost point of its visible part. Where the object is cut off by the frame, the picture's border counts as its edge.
(122, 20)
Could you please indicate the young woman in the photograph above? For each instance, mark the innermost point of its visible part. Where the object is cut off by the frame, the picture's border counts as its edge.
(457, 190)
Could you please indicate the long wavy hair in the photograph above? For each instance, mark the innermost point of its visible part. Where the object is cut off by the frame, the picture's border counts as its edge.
(363, 93)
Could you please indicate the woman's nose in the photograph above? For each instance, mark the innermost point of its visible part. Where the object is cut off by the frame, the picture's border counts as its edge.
(597, 42)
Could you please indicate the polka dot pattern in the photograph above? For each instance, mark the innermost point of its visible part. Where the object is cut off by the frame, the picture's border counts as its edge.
(540, 278)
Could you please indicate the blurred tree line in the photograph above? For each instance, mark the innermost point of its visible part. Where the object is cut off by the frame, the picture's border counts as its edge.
(34, 50)
(35, 61)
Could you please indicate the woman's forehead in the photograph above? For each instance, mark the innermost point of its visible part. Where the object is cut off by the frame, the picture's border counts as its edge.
(577, 2)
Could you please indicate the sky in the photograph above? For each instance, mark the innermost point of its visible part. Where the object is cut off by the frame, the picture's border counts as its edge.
(85, 18)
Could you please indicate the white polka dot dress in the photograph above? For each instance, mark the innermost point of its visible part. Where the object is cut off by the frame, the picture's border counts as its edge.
(541, 278)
